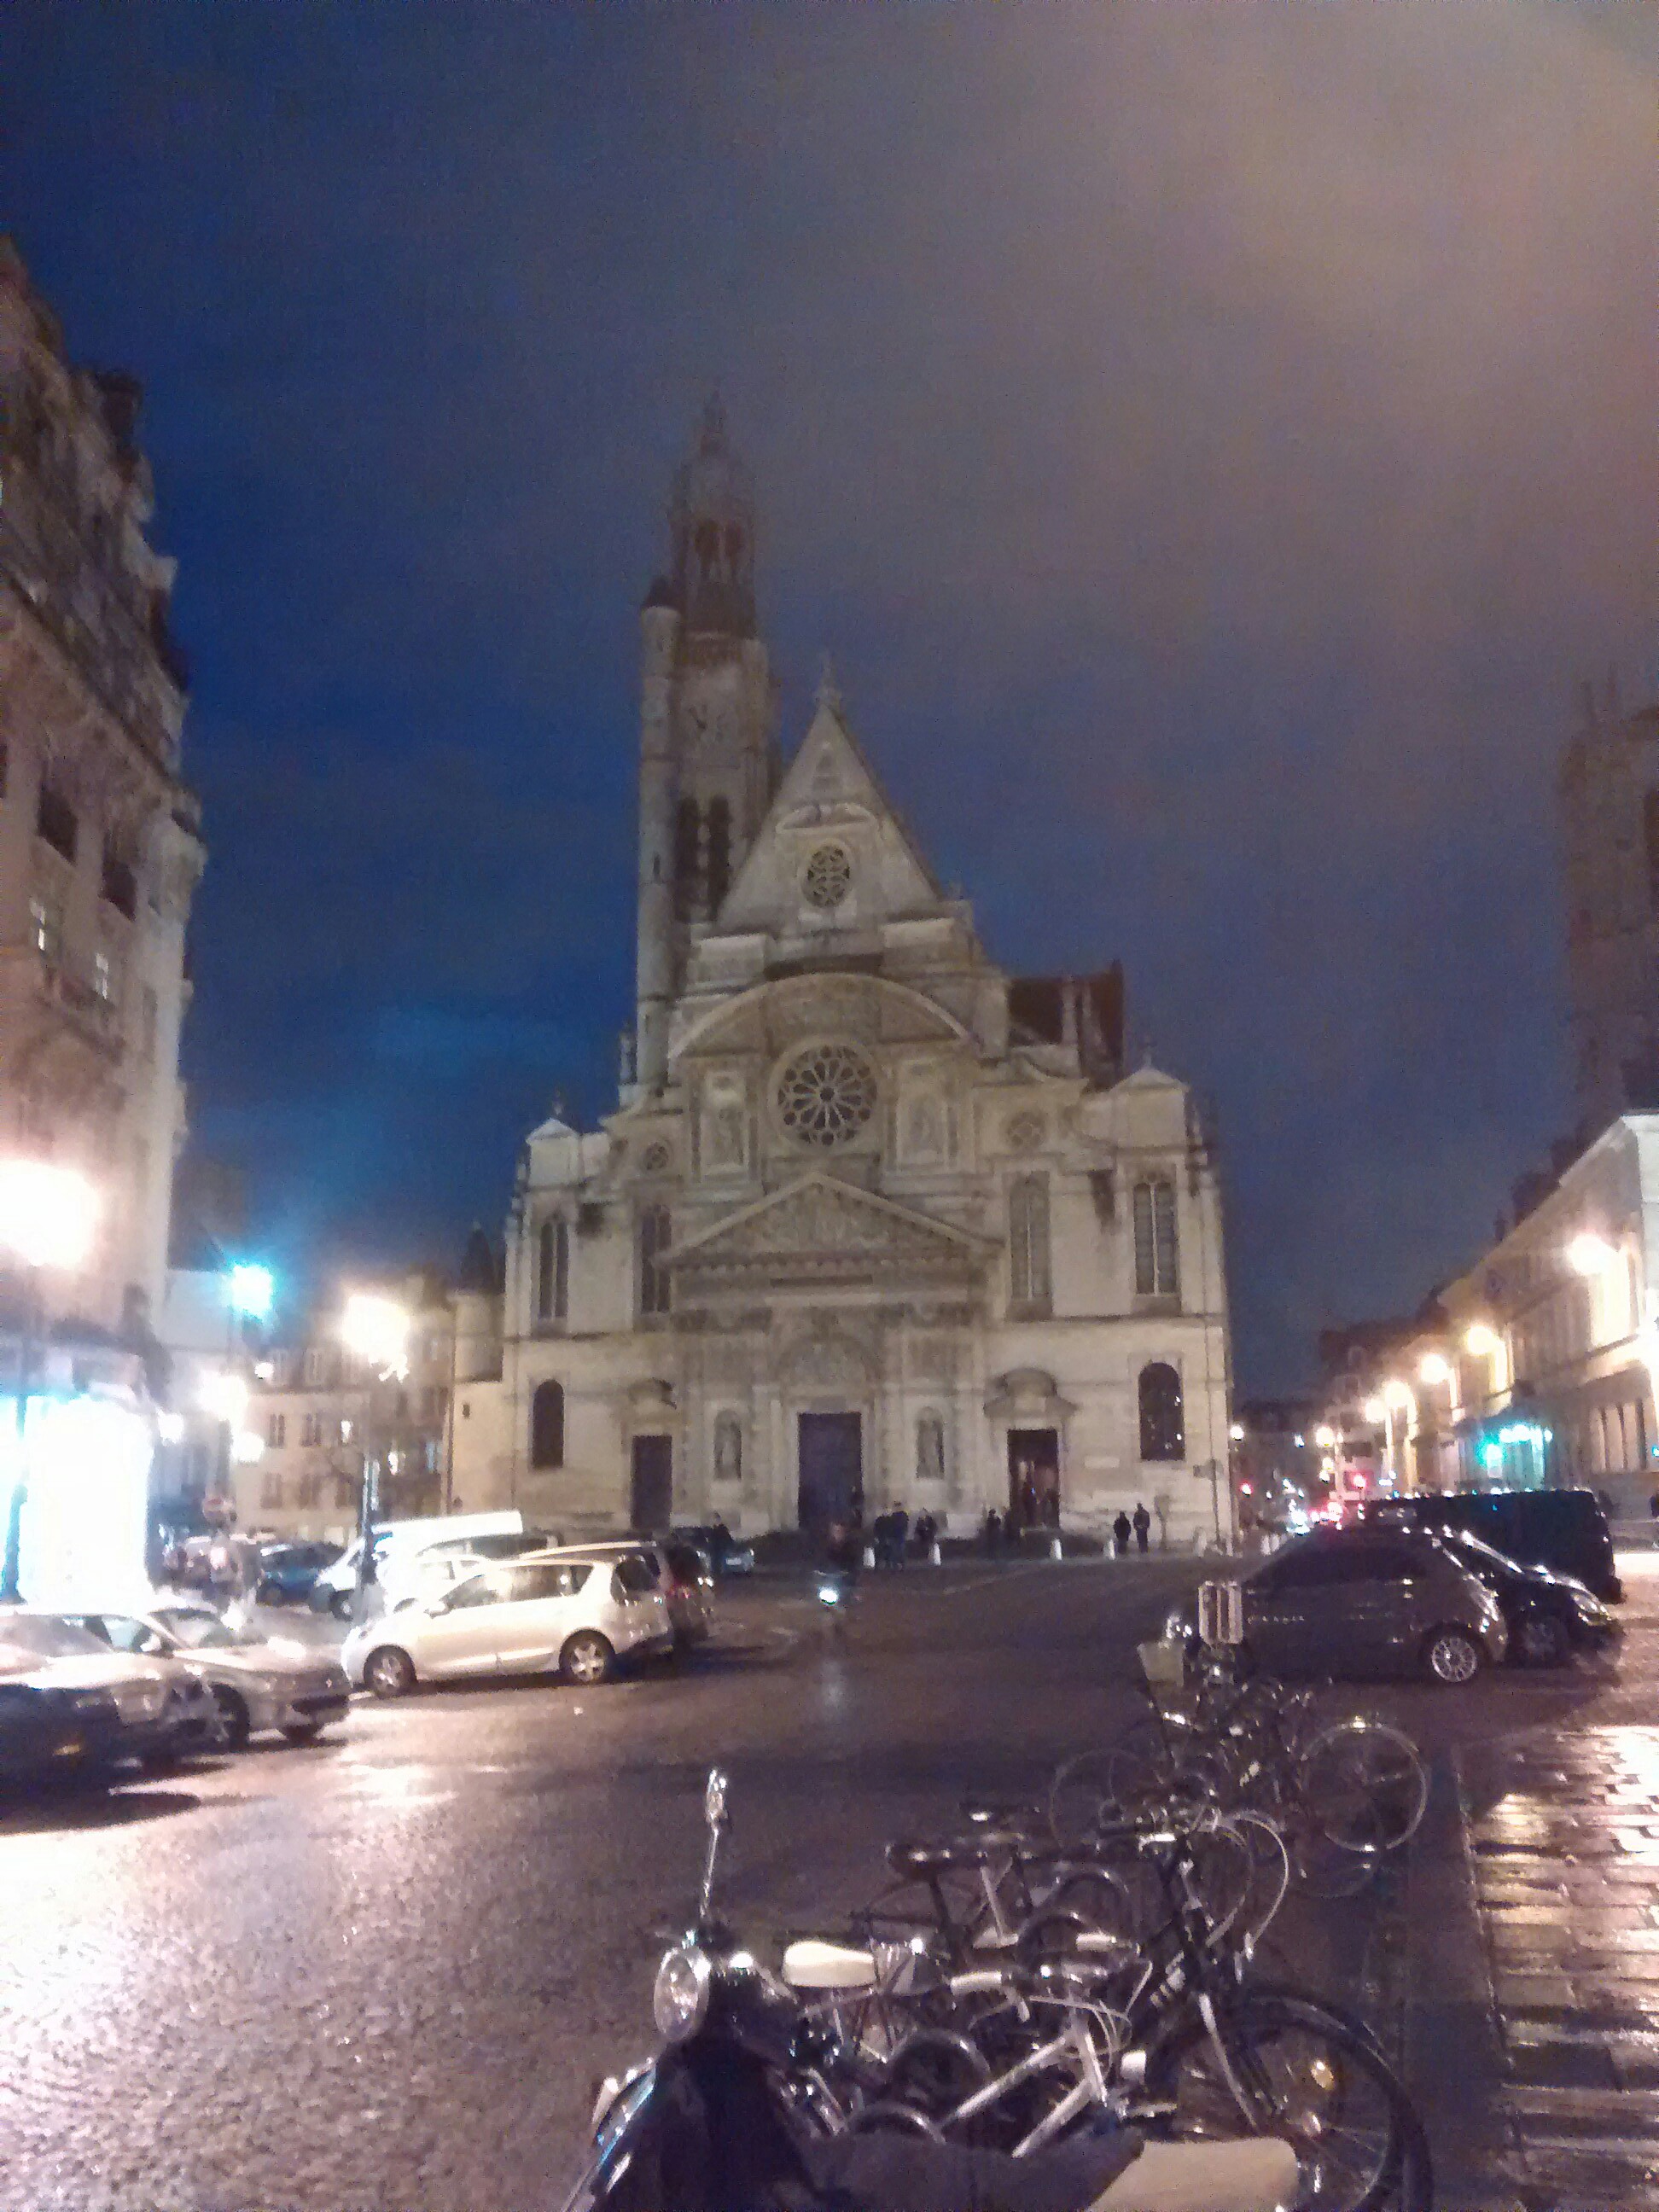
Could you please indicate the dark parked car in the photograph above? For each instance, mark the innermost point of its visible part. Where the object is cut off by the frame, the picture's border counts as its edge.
(126, 1709)
(1364, 1602)
(45, 1729)
(1565, 1530)
(287, 1572)
(727, 1554)
(1549, 1616)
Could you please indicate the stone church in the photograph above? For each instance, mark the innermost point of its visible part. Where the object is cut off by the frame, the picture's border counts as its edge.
(873, 1222)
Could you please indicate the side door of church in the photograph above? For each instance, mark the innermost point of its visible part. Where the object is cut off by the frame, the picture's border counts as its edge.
(650, 1499)
(831, 1469)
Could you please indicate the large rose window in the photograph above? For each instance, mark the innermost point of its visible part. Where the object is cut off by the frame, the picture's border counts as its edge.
(826, 1095)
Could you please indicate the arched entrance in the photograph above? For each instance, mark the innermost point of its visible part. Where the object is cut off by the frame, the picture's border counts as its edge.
(829, 1408)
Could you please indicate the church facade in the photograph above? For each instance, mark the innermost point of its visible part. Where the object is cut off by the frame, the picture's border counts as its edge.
(874, 1223)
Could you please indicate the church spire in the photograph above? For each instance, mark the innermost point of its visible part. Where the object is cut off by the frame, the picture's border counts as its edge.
(711, 520)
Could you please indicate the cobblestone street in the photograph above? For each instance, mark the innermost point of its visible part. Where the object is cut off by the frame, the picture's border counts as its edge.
(1534, 1948)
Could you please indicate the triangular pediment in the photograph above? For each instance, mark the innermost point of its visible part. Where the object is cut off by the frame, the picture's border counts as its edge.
(822, 1228)
(831, 795)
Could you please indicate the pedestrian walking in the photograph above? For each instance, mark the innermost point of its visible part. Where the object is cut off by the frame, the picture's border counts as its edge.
(1142, 1526)
(990, 1532)
(1121, 1530)
(901, 1528)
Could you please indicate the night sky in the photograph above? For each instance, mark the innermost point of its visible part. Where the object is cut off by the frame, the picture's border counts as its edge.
(1212, 441)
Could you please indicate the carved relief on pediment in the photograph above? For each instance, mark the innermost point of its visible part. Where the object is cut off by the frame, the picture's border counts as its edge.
(821, 1004)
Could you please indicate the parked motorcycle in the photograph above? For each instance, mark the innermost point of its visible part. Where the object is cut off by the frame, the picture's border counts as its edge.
(726, 2118)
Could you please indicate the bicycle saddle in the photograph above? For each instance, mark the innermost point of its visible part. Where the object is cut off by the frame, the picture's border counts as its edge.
(911, 1857)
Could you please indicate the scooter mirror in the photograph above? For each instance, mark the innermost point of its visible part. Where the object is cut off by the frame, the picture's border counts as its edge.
(713, 1800)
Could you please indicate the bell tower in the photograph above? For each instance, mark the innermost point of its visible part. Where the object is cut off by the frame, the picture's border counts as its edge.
(707, 760)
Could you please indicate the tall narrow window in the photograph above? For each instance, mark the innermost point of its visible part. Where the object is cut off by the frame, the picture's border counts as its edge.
(653, 1276)
(1158, 1250)
(547, 1425)
(55, 820)
(1163, 1433)
(688, 903)
(553, 1271)
(719, 854)
(1029, 1281)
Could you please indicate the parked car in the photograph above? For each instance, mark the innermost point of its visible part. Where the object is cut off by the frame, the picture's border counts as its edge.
(256, 1683)
(682, 1572)
(726, 1554)
(575, 1614)
(288, 1571)
(1549, 1616)
(125, 1708)
(1363, 1601)
(1565, 1530)
(45, 1729)
(429, 1572)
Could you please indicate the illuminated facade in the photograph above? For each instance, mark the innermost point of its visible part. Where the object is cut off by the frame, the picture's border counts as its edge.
(100, 842)
(874, 1223)
(1609, 794)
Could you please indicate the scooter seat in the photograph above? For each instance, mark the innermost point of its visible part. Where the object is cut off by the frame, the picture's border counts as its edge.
(814, 1964)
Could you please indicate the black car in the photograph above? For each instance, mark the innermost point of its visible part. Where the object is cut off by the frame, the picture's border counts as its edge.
(1550, 1616)
(45, 1729)
(725, 1553)
(1566, 1530)
(1367, 1602)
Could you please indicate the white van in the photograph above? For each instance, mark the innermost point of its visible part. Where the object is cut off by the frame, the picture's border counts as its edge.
(399, 1542)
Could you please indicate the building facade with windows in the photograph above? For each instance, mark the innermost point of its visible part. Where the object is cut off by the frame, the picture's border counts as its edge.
(873, 1222)
(1609, 797)
(99, 839)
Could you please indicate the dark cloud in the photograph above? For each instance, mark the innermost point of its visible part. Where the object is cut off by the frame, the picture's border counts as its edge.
(1213, 441)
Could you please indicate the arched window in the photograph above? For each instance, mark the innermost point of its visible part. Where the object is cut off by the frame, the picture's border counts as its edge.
(1029, 1283)
(547, 1425)
(653, 1276)
(553, 1271)
(1158, 1250)
(688, 861)
(1163, 1434)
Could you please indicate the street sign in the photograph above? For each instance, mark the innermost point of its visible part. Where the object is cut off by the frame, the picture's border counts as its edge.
(1221, 1613)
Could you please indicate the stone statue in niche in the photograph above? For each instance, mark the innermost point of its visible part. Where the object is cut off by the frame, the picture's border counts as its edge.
(728, 1449)
(724, 1137)
(930, 1449)
(927, 1132)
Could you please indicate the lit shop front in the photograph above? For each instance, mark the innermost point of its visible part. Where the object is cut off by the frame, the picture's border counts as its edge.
(75, 1488)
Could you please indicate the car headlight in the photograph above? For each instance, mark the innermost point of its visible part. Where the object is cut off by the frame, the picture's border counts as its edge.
(1175, 1628)
(1590, 1610)
(679, 2003)
(88, 1701)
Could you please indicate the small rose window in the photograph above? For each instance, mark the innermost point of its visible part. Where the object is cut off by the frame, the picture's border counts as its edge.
(827, 878)
(826, 1095)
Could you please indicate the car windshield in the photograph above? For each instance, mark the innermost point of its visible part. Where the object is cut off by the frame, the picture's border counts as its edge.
(1461, 1540)
(204, 1632)
(27, 1635)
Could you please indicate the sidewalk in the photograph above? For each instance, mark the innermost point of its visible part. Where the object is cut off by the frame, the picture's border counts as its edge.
(1532, 1981)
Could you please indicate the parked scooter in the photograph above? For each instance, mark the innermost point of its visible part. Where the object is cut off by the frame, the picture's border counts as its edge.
(723, 2119)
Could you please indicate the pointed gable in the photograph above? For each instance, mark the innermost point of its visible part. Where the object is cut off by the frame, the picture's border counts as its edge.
(832, 859)
(820, 1229)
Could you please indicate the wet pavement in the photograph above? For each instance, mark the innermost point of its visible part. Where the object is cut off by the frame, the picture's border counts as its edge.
(385, 1971)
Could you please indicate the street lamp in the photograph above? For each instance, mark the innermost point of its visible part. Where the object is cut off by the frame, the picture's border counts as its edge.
(252, 1289)
(1589, 1254)
(373, 1329)
(47, 1218)
(1325, 1435)
(1434, 1368)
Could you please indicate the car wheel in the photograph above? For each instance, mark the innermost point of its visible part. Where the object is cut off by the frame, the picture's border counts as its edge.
(341, 1604)
(587, 1658)
(1542, 1640)
(388, 1672)
(1451, 1655)
(231, 1726)
(303, 1732)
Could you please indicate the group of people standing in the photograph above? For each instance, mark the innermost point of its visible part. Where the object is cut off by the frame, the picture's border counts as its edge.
(892, 1535)
(1140, 1527)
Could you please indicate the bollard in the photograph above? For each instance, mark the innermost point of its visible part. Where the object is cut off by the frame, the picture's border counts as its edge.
(869, 1555)
(1055, 1552)
(935, 1556)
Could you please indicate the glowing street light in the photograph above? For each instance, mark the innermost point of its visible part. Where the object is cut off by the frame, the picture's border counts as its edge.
(1480, 1341)
(1434, 1368)
(375, 1329)
(1237, 1432)
(1397, 1393)
(1589, 1254)
(48, 1214)
(1375, 1412)
(252, 1289)
(1325, 1436)
(224, 1397)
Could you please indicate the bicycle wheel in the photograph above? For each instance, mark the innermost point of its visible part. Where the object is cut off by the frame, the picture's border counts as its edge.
(1364, 1786)
(1144, 1769)
(1295, 2070)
